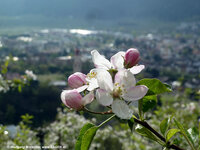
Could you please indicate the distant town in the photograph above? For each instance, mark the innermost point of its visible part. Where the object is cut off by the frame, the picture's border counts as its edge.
(173, 57)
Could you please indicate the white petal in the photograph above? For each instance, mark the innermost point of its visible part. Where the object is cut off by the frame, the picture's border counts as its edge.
(92, 79)
(88, 98)
(117, 60)
(135, 93)
(125, 78)
(104, 80)
(93, 84)
(134, 103)
(82, 88)
(99, 60)
(137, 69)
(121, 109)
(104, 97)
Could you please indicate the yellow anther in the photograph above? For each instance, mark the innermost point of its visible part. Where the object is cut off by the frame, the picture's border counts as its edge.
(116, 84)
(92, 75)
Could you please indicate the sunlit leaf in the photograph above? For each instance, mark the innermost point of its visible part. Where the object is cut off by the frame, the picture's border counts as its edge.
(164, 125)
(5, 67)
(88, 137)
(171, 133)
(149, 102)
(155, 86)
(145, 132)
(82, 132)
(19, 88)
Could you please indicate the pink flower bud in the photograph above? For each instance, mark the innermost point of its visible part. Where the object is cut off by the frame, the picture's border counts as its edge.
(73, 99)
(77, 80)
(132, 56)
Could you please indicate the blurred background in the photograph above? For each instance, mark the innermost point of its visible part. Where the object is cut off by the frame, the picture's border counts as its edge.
(42, 42)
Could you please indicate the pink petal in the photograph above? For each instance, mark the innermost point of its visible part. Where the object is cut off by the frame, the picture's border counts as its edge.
(72, 99)
(62, 96)
(76, 80)
(131, 58)
(135, 93)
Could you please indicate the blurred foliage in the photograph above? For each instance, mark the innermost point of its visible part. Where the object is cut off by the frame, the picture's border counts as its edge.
(23, 94)
(14, 83)
(65, 129)
(39, 100)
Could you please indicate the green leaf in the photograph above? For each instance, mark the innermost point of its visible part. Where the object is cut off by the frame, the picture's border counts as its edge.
(4, 70)
(86, 127)
(193, 132)
(19, 88)
(88, 137)
(4, 67)
(149, 102)
(145, 132)
(171, 133)
(185, 134)
(164, 125)
(155, 86)
(140, 109)
(131, 123)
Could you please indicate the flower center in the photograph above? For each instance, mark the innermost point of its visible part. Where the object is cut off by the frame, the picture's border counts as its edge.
(117, 91)
(92, 75)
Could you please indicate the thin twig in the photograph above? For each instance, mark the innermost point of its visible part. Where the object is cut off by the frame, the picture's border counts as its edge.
(99, 113)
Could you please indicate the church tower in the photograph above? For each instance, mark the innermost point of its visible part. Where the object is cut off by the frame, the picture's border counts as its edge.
(77, 61)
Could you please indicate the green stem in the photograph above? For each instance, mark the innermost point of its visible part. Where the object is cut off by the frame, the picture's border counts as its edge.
(106, 121)
(141, 114)
(146, 125)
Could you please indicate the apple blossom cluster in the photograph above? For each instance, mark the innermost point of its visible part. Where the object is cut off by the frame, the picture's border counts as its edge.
(111, 83)
(30, 74)
(4, 86)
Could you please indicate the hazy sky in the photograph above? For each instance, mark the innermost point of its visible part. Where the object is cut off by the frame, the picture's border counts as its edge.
(163, 9)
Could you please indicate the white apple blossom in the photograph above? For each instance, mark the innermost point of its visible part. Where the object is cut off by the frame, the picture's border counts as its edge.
(81, 82)
(119, 93)
(4, 86)
(30, 74)
(116, 62)
(114, 81)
